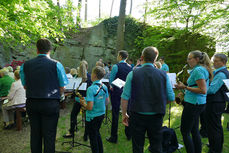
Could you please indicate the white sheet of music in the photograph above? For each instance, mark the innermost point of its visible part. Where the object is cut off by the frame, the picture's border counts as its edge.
(73, 81)
(104, 80)
(226, 81)
(172, 78)
(227, 94)
(83, 86)
(118, 83)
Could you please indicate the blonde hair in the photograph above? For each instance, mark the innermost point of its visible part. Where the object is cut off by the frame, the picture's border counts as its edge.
(4, 72)
(158, 65)
(83, 70)
(99, 63)
(17, 74)
(73, 71)
(204, 61)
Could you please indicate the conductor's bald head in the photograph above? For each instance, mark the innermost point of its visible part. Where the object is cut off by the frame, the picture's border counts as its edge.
(150, 54)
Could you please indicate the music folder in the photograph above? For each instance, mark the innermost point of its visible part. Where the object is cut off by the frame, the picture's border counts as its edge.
(118, 83)
(226, 82)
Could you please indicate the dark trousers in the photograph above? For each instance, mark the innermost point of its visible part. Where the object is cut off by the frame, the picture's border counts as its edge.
(190, 125)
(74, 113)
(115, 102)
(214, 126)
(203, 120)
(152, 124)
(94, 134)
(43, 116)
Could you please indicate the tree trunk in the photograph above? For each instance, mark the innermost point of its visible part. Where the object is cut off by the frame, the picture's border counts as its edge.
(78, 18)
(85, 16)
(111, 7)
(131, 4)
(146, 8)
(121, 26)
(99, 9)
(59, 17)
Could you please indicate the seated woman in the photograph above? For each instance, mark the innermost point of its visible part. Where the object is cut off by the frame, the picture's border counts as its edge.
(5, 82)
(15, 97)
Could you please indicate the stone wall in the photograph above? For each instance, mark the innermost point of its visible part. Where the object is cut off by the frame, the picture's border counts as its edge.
(90, 44)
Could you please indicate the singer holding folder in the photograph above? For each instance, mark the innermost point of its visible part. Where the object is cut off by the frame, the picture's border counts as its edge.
(120, 71)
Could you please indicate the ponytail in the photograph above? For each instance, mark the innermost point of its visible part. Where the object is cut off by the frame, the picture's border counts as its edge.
(204, 61)
(83, 70)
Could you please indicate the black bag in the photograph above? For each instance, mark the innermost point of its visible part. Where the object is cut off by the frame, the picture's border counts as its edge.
(169, 142)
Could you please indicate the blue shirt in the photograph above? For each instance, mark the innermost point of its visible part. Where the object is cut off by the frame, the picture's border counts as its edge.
(197, 73)
(99, 101)
(114, 71)
(126, 94)
(217, 81)
(165, 67)
(63, 80)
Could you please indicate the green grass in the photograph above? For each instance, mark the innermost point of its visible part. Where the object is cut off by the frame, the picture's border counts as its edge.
(124, 146)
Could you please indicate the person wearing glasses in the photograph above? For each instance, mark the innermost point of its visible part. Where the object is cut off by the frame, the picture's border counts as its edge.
(195, 99)
(216, 102)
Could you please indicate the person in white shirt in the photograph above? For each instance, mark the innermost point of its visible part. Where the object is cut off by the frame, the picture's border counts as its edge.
(15, 97)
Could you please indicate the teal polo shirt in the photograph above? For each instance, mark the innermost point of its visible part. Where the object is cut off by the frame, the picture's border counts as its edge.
(99, 101)
(197, 73)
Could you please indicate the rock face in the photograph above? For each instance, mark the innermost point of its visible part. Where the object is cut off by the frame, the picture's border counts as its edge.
(90, 44)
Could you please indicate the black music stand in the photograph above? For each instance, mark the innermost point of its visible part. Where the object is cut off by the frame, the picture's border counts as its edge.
(74, 143)
(107, 119)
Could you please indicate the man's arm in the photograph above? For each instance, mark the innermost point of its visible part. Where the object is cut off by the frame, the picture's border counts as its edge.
(125, 97)
(125, 117)
(169, 90)
(216, 83)
(113, 73)
(22, 76)
(63, 80)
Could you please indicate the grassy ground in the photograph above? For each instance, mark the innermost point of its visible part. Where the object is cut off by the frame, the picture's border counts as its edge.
(18, 142)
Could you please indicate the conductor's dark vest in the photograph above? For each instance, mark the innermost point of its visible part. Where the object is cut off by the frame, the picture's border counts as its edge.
(123, 71)
(148, 92)
(220, 95)
(41, 78)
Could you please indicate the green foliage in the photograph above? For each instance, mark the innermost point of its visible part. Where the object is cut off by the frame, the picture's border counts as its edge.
(206, 17)
(174, 44)
(25, 21)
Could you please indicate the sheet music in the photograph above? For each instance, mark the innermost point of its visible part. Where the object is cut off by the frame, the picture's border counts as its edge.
(83, 86)
(118, 83)
(104, 80)
(227, 94)
(226, 81)
(172, 78)
(71, 83)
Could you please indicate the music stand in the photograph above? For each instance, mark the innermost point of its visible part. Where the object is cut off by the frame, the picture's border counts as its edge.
(74, 143)
(107, 119)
